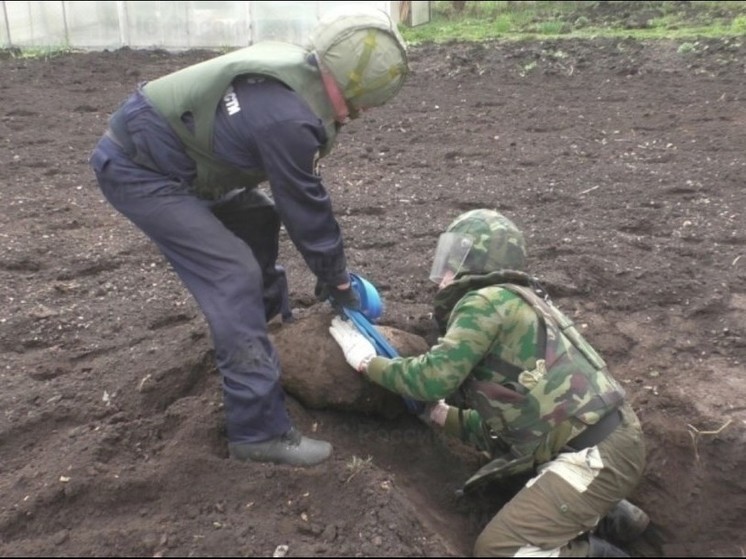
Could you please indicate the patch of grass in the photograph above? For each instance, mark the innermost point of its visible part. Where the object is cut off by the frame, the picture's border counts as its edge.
(738, 25)
(686, 48)
(502, 25)
(357, 465)
(527, 68)
(552, 27)
(488, 20)
(44, 53)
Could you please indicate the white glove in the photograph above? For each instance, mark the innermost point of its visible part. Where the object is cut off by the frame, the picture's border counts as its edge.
(436, 413)
(356, 347)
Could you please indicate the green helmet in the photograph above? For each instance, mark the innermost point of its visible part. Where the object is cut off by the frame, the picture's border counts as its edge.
(495, 243)
(365, 54)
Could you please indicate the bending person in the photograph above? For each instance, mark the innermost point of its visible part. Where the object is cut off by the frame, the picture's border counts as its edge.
(183, 158)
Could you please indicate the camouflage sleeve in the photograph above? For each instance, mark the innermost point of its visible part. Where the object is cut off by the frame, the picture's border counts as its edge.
(439, 372)
(471, 430)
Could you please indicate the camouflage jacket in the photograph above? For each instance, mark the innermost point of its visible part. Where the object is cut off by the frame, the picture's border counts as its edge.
(528, 380)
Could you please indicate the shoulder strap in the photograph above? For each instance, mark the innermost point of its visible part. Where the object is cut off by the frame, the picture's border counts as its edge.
(530, 296)
(552, 315)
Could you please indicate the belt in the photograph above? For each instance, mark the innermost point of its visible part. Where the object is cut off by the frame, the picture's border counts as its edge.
(597, 432)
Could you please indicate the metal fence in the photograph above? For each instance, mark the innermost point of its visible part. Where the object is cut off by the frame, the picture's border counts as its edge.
(168, 25)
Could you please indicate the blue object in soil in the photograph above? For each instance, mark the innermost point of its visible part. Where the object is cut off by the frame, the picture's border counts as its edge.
(370, 310)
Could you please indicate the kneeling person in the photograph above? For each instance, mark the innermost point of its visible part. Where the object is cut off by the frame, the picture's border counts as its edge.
(527, 389)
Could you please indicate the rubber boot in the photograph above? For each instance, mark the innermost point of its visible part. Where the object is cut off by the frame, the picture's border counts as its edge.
(598, 547)
(292, 448)
(623, 524)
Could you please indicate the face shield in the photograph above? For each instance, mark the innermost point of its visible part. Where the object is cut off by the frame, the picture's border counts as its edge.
(450, 254)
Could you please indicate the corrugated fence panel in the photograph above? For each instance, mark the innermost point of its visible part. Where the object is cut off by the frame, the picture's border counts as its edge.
(35, 23)
(4, 28)
(92, 25)
(219, 24)
(288, 21)
(168, 25)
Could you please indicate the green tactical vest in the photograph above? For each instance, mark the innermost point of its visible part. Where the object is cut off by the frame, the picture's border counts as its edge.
(569, 389)
(200, 88)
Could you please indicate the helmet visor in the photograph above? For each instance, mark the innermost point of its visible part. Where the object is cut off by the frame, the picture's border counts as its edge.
(450, 254)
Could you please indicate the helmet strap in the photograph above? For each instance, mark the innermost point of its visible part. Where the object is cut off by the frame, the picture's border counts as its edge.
(341, 111)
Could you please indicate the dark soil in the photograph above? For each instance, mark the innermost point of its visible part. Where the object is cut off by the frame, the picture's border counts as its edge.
(622, 161)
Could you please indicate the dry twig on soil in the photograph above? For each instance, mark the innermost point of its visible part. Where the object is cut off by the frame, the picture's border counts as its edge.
(696, 433)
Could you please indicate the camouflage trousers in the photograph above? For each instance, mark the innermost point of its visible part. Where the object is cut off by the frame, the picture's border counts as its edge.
(568, 497)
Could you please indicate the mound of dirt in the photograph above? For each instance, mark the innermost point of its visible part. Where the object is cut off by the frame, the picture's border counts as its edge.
(327, 382)
(622, 161)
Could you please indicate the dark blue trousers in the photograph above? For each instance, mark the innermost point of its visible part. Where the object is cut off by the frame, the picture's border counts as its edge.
(224, 251)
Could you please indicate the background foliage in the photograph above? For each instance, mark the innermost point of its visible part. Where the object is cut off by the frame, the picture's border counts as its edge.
(486, 20)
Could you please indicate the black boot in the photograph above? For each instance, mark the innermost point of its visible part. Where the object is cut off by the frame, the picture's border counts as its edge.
(623, 524)
(291, 448)
(601, 548)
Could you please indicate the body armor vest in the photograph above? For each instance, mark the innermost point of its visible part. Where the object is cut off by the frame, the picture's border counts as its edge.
(198, 90)
(568, 390)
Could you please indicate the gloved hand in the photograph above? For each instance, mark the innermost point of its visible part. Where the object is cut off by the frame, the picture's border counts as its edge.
(357, 348)
(435, 413)
(339, 298)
